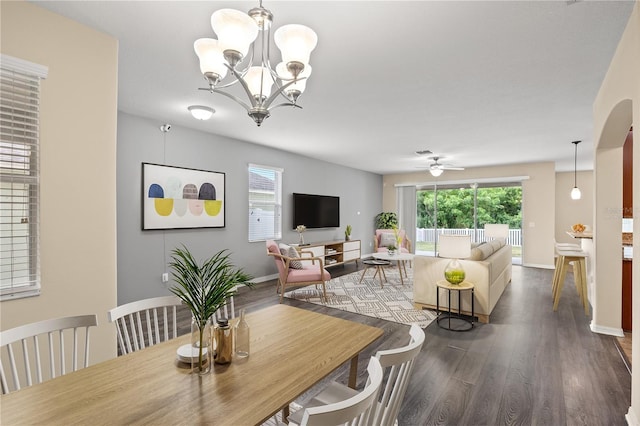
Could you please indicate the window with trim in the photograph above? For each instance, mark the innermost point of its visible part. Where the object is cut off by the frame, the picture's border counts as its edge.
(265, 203)
(19, 177)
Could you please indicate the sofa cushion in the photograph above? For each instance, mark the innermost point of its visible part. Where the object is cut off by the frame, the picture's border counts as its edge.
(481, 252)
(387, 239)
(292, 253)
(497, 244)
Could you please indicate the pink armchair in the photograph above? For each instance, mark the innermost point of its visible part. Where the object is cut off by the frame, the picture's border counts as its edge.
(312, 274)
(379, 245)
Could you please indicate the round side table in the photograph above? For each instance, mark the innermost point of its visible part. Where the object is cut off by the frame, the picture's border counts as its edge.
(447, 315)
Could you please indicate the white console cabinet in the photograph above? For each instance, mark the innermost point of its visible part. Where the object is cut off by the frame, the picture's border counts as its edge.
(334, 252)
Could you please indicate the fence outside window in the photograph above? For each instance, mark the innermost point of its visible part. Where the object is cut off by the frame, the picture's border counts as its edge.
(477, 235)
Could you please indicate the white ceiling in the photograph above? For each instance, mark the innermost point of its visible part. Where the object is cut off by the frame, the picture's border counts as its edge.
(480, 83)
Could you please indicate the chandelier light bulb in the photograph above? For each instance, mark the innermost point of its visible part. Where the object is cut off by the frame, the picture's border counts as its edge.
(259, 81)
(295, 43)
(210, 56)
(236, 30)
(285, 75)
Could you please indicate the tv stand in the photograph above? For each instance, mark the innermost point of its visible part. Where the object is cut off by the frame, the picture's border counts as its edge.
(334, 253)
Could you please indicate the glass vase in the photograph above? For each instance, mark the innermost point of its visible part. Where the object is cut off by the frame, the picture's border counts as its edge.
(301, 242)
(454, 273)
(200, 346)
(242, 337)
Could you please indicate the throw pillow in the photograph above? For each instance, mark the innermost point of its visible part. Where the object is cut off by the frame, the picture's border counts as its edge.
(292, 254)
(387, 239)
(497, 243)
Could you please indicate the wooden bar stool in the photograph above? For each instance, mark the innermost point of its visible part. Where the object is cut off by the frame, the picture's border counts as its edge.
(564, 259)
(561, 247)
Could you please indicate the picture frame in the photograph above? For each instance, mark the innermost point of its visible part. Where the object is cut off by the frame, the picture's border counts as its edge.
(182, 198)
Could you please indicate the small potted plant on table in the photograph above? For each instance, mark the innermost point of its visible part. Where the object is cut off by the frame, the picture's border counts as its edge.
(204, 288)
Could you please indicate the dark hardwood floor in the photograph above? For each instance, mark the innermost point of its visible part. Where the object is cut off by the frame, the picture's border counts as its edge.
(529, 366)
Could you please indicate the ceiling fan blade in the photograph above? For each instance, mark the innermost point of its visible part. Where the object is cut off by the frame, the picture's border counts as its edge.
(451, 168)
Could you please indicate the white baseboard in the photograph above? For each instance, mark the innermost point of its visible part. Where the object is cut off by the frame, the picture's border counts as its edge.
(265, 278)
(611, 331)
(535, 265)
(631, 418)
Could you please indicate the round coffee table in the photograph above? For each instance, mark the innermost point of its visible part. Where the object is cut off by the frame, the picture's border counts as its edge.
(378, 264)
(448, 315)
(400, 259)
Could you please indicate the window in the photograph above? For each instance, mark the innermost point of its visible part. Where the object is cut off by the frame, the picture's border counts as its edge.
(19, 177)
(265, 203)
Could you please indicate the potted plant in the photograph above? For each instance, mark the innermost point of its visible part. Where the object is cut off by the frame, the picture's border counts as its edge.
(204, 288)
(391, 249)
(347, 233)
(386, 220)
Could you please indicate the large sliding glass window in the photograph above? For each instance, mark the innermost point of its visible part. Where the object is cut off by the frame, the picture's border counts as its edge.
(464, 210)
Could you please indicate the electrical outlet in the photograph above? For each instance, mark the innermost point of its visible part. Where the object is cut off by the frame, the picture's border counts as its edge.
(165, 277)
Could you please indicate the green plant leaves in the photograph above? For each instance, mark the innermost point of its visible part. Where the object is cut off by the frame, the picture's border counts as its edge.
(205, 287)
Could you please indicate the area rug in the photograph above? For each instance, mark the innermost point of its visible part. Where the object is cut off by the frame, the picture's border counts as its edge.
(393, 302)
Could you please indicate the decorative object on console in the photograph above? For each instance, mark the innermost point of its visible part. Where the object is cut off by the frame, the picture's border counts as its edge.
(575, 192)
(204, 288)
(454, 247)
(347, 233)
(237, 34)
(300, 229)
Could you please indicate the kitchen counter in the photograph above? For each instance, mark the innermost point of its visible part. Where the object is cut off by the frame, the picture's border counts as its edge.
(588, 235)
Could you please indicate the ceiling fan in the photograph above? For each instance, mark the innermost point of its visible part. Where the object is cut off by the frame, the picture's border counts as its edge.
(437, 168)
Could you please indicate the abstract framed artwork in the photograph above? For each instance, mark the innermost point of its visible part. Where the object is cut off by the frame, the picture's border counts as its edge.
(179, 198)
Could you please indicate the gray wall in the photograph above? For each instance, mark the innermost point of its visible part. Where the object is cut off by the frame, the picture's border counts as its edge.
(143, 255)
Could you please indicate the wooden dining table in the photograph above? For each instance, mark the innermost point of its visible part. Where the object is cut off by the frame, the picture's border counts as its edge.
(291, 350)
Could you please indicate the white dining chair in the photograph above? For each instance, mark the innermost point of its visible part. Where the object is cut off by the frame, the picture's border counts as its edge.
(21, 346)
(145, 322)
(228, 310)
(398, 364)
(356, 408)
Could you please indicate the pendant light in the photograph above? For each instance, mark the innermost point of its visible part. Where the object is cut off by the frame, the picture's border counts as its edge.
(575, 192)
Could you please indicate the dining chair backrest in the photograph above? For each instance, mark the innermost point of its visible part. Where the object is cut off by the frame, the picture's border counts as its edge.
(398, 364)
(228, 310)
(353, 411)
(21, 346)
(145, 322)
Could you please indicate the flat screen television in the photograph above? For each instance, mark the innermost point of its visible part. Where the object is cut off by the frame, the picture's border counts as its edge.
(316, 211)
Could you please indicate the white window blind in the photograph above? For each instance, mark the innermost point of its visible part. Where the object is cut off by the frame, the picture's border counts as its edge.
(19, 177)
(265, 203)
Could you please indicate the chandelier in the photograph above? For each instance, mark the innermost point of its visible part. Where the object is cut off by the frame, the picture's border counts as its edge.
(242, 49)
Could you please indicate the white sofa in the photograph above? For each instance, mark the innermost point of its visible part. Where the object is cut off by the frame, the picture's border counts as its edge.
(490, 274)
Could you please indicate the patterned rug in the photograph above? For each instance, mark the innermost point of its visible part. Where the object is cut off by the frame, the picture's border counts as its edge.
(393, 302)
